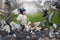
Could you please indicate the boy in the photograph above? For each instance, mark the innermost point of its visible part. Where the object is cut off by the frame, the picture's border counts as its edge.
(22, 18)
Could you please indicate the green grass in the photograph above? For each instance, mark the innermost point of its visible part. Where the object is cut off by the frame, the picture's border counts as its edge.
(38, 17)
(56, 18)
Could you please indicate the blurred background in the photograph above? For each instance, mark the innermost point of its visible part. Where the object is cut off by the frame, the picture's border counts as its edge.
(32, 6)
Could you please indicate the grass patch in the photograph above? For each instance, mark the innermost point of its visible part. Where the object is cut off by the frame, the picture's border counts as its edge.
(38, 17)
(56, 18)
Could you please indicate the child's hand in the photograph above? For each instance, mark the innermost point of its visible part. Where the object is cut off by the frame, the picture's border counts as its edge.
(29, 22)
